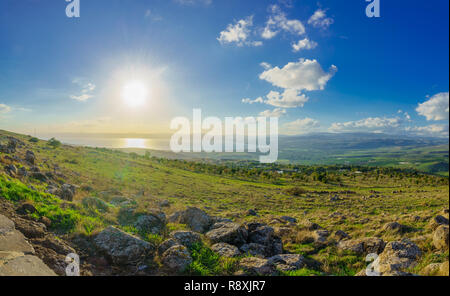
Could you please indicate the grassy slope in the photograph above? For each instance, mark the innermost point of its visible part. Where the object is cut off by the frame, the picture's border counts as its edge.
(149, 182)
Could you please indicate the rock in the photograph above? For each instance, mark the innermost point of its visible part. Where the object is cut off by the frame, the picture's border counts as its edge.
(164, 204)
(440, 238)
(30, 157)
(95, 203)
(394, 227)
(30, 229)
(176, 259)
(265, 235)
(288, 262)
(437, 221)
(311, 226)
(230, 233)
(443, 271)
(226, 250)
(257, 266)
(26, 208)
(320, 237)
(19, 264)
(340, 235)
(12, 240)
(255, 249)
(46, 221)
(22, 172)
(431, 269)
(363, 245)
(397, 257)
(251, 212)
(154, 222)
(167, 244)
(123, 248)
(186, 238)
(11, 170)
(288, 219)
(39, 176)
(195, 218)
(66, 192)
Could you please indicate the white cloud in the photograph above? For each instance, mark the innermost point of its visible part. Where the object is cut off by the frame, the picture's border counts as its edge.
(5, 109)
(250, 101)
(86, 90)
(304, 44)
(278, 112)
(265, 65)
(278, 22)
(192, 2)
(433, 130)
(436, 108)
(303, 75)
(371, 124)
(290, 98)
(300, 126)
(238, 33)
(320, 20)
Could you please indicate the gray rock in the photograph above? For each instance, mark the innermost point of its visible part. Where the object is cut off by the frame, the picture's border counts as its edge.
(121, 247)
(186, 238)
(176, 259)
(167, 244)
(30, 157)
(254, 249)
(397, 257)
(154, 222)
(437, 221)
(288, 262)
(197, 220)
(441, 238)
(19, 264)
(226, 250)
(230, 233)
(362, 246)
(257, 266)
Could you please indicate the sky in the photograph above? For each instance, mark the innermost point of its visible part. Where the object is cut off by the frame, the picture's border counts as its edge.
(131, 66)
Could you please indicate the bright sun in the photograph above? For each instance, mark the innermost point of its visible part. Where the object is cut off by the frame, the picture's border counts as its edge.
(135, 93)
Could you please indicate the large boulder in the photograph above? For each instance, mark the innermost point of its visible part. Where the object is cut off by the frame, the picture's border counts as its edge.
(226, 250)
(186, 238)
(440, 238)
(153, 222)
(230, 233)
(397, 257)
(30, 157)
(435, 269)
(167, 244)
(176, 259)
(197, 220)
(123, 248)
(394, 227)
(363, 246)
(254, 249)
(18, 264)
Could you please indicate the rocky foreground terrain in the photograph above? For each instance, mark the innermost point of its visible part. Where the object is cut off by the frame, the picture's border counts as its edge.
(43, 219)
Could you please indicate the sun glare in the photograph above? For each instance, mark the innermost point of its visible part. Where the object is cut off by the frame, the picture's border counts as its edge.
(135, 93)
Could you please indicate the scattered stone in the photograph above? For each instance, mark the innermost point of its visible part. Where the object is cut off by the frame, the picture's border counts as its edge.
(288, 262)
(363, 245)
(227, 232)
(265, 235)
(30, 157)
(394, 227)
(311, 226)
(257, 266)
(167, 244)
(22, 172)
(440, 238)
(340, 235)
(122, 248)
(66, 192)
(186, 238)
(437, 221)
(226, 250)
(198, 220)
(320, 237)
(288, 219)
(26, 208)
(254, 249)
(11, 170)
(176, 259)
(252, 212)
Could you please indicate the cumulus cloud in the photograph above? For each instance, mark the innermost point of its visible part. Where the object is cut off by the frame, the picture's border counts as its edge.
(433, 130)
(320, 20)
(238, 33)
(86, 90)
(300, 126)
(371, 124)
(436, 108)
(278, 112)
(304, 44)
(302, 75)
(290, 98)
(250, 101)
(5, 109)
(278, 22)
(265, 65)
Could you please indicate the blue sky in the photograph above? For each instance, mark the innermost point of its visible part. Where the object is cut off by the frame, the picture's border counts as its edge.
(320, 66)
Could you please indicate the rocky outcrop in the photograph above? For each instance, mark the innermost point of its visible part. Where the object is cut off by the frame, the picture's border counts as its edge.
(440, 238)
(197, 220)
(257, 266)
(17, 255)
(288, 262)
(153, 222)
(226, 250)
(186, 238)
(176, 259)
(437, 221)
(123, 248)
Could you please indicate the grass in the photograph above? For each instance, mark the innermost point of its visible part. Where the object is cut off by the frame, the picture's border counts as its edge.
(208, 263)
